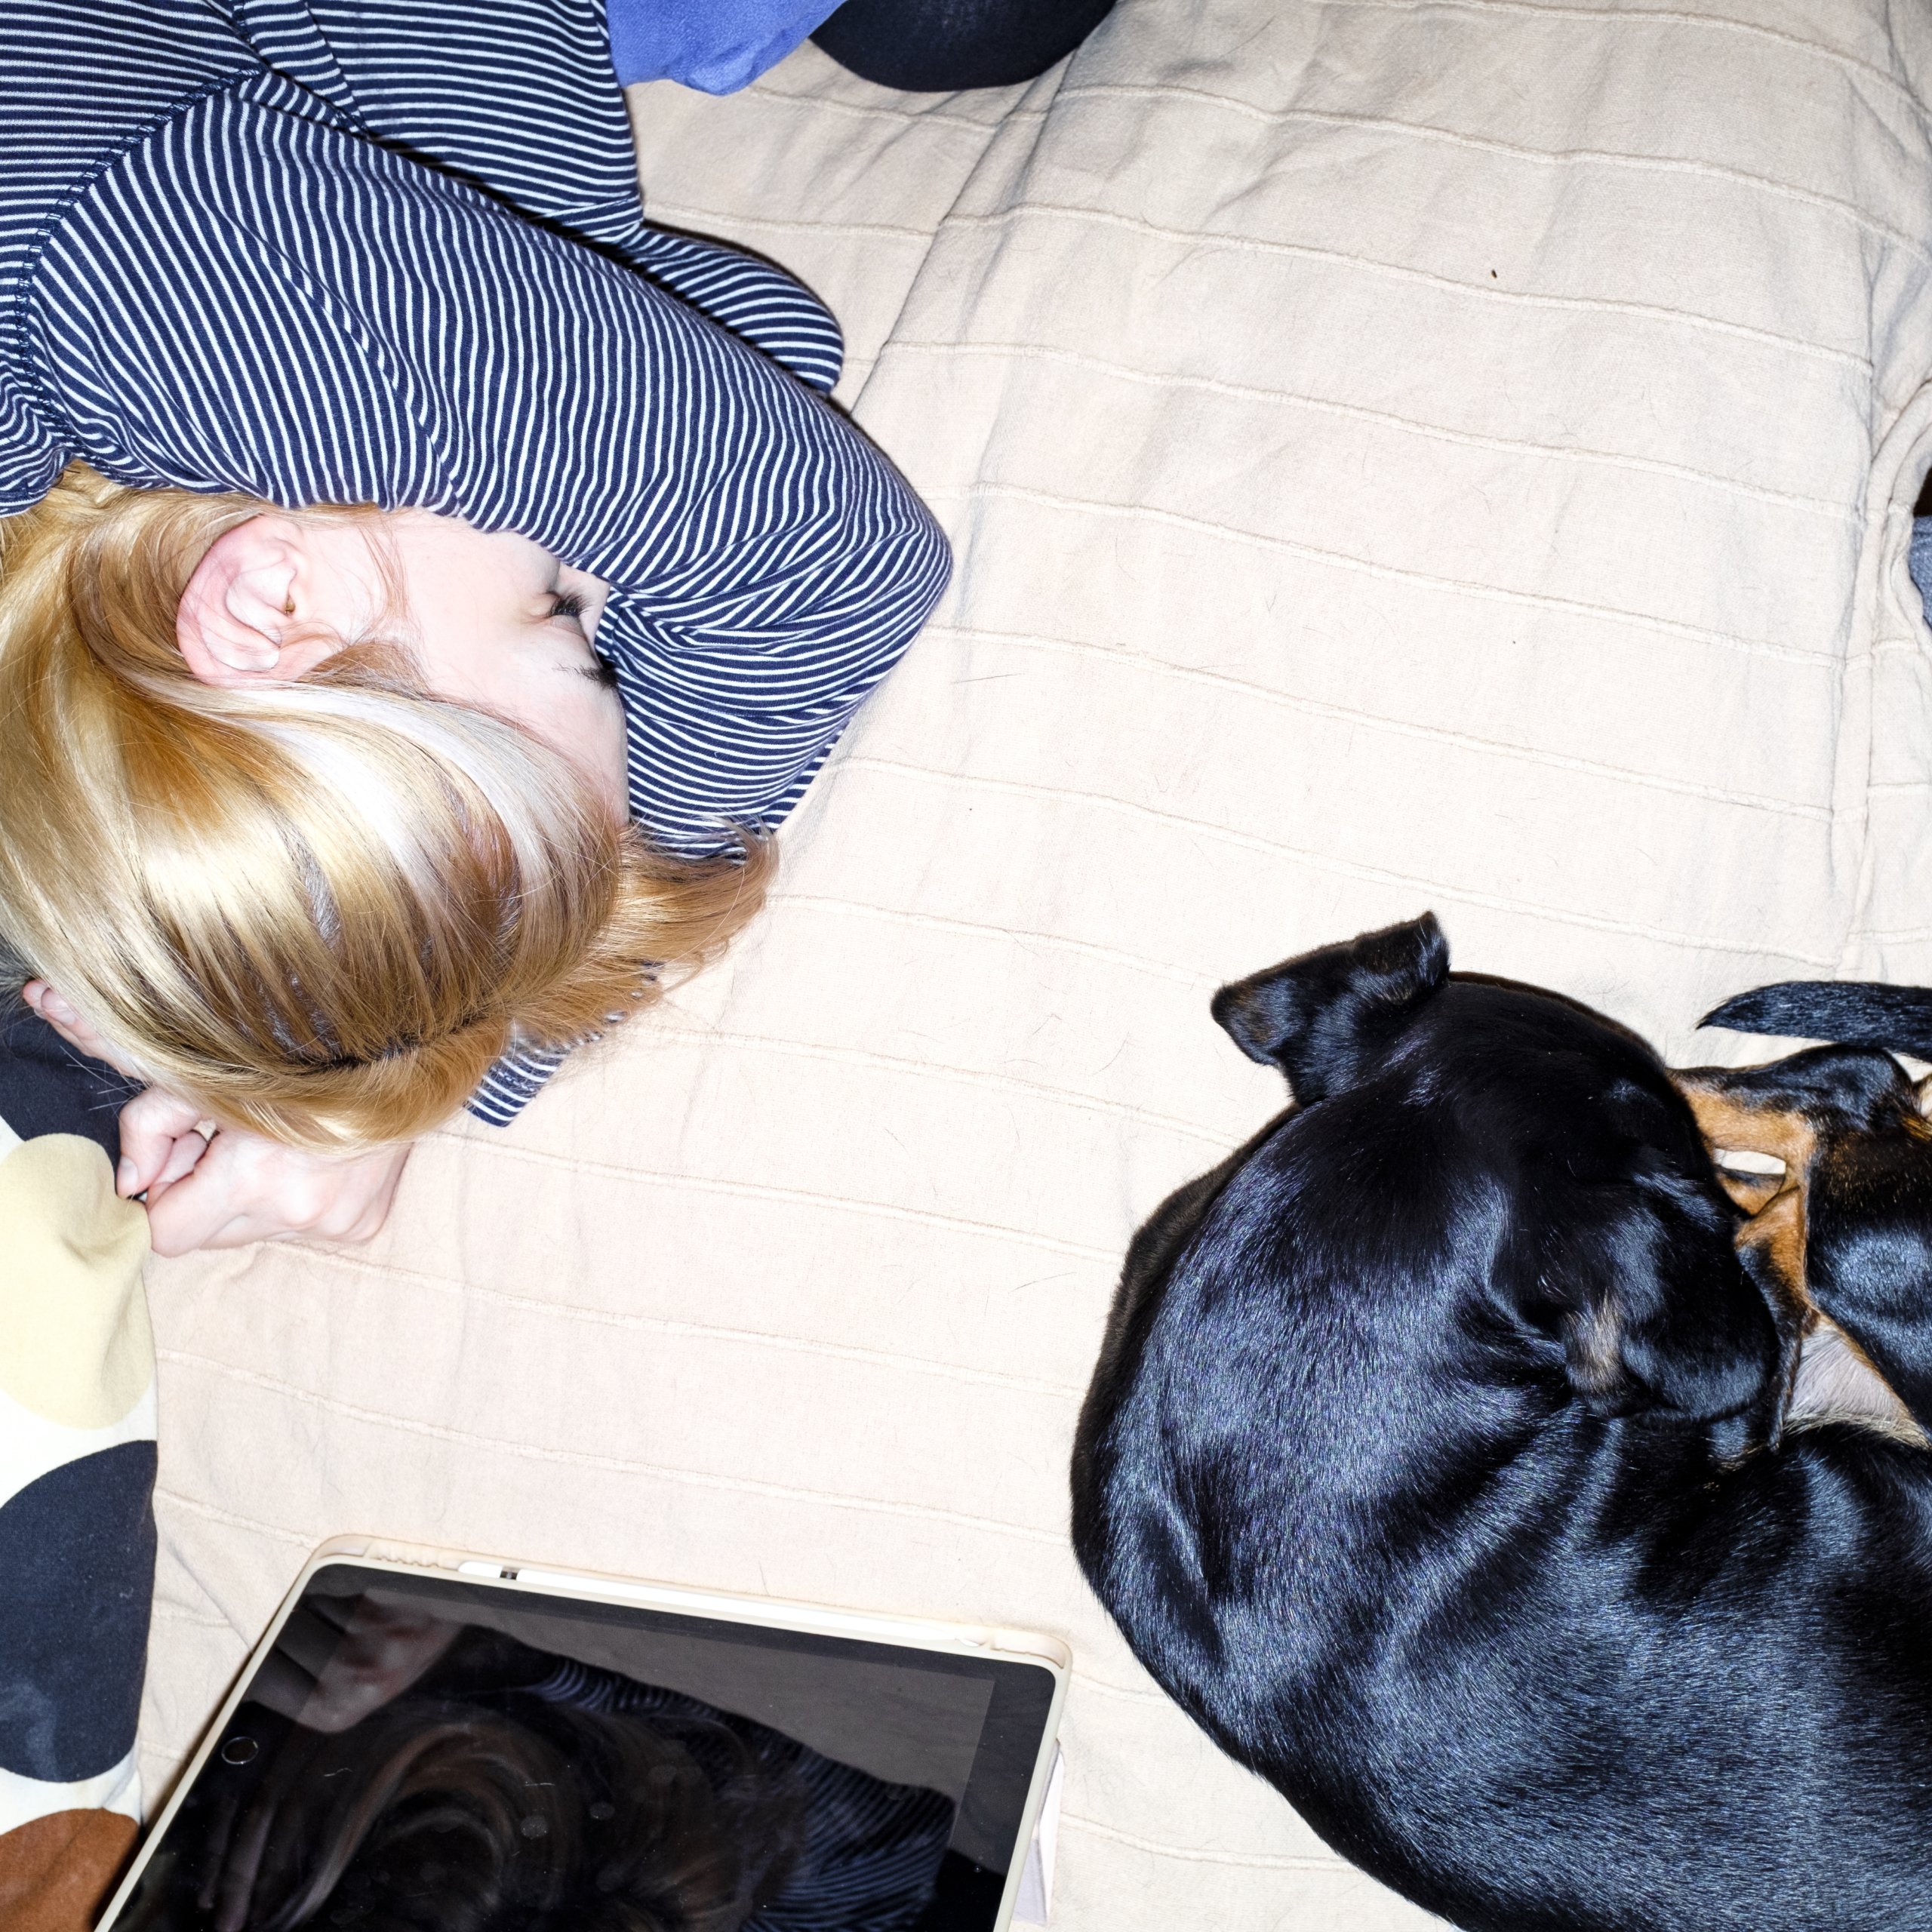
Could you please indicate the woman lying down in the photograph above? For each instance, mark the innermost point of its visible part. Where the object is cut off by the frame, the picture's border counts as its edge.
(324, 822)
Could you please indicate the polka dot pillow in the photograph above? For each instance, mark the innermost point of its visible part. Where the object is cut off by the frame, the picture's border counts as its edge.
(77, 1466)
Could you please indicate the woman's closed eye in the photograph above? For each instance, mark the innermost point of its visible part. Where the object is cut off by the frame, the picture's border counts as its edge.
(572, 607)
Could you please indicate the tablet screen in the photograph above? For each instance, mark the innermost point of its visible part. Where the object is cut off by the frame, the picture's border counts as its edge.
(423, 1753)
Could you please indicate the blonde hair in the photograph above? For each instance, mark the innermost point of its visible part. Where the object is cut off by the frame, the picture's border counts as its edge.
(321, 909)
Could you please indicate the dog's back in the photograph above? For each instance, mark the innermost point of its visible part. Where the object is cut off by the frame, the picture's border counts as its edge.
(1426, 1465)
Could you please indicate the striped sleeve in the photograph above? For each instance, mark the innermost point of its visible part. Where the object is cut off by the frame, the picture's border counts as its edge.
(253, 298)
(522, 101)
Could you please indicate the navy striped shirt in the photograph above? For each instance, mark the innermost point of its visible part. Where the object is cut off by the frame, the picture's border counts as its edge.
(393, 252)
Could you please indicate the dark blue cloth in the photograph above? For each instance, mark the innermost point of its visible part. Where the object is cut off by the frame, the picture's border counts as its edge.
(718, 46)
(393, 251)
(47, 1086)
(77, 1538)
(77, 1551)
(942, 46)
(1918, 560)
(925, 46)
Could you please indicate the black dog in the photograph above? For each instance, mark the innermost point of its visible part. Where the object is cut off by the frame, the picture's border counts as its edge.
(1439, 1463)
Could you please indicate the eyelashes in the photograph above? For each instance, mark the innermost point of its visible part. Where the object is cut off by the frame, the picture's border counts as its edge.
(568, 604)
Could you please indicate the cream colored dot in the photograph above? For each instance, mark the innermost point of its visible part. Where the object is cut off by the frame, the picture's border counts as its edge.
(74, 1346)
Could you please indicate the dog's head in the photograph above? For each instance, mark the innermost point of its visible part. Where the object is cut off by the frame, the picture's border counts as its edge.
(1828, 1153)
(1615, 1262)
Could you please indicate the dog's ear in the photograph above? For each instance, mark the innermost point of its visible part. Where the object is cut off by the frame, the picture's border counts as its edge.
(1659, 1315)
(1320, 1018)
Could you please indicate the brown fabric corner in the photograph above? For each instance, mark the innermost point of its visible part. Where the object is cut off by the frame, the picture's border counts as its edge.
(56, 1871)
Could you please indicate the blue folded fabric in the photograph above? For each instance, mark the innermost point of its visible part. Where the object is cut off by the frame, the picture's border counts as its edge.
(717, 46)
(1918, 560)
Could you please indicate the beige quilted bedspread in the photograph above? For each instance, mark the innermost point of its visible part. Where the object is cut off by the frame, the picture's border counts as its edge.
(1400, 454)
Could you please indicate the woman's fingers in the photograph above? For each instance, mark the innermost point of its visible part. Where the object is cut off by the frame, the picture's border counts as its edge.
(152, 1125)
(246, 1189)
(239, 1187)
(282, 1684)
(235, 1889)
(302, 1652)
(388, 1647)
(182, 1159)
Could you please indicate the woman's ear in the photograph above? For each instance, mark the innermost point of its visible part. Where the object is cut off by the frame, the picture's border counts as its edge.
(240, 618)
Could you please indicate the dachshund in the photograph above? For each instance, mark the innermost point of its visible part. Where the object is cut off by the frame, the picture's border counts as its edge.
(1542, 1509)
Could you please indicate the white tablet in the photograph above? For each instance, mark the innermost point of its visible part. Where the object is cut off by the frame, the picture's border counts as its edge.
(453, 1744)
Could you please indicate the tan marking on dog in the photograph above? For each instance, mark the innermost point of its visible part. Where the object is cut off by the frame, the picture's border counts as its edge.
(1751, 1188)
(1725, 1120)
(1776, 1231)
(1833, 1379)
(1593, 1348)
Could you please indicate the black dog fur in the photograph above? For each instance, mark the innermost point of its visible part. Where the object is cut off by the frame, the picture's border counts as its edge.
(1436, 1463)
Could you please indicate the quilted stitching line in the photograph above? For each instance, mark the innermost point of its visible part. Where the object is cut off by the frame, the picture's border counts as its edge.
(965, 1076)
(324, 1258)
(1194, 240)
(1837, 511)
(1140, 662)
(1621, 17)
(1344, 867)
(1425, 131)
(854, 110)
(767, 1191)
(1533, 600)
(867, 230)
(1258, 1861)
(623, 1466)
(940, 922)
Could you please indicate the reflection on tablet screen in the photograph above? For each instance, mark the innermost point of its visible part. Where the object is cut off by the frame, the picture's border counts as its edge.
(412, 1758)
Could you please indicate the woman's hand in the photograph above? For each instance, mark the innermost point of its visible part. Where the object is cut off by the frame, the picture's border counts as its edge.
(210, 1189)
(237, 1187)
